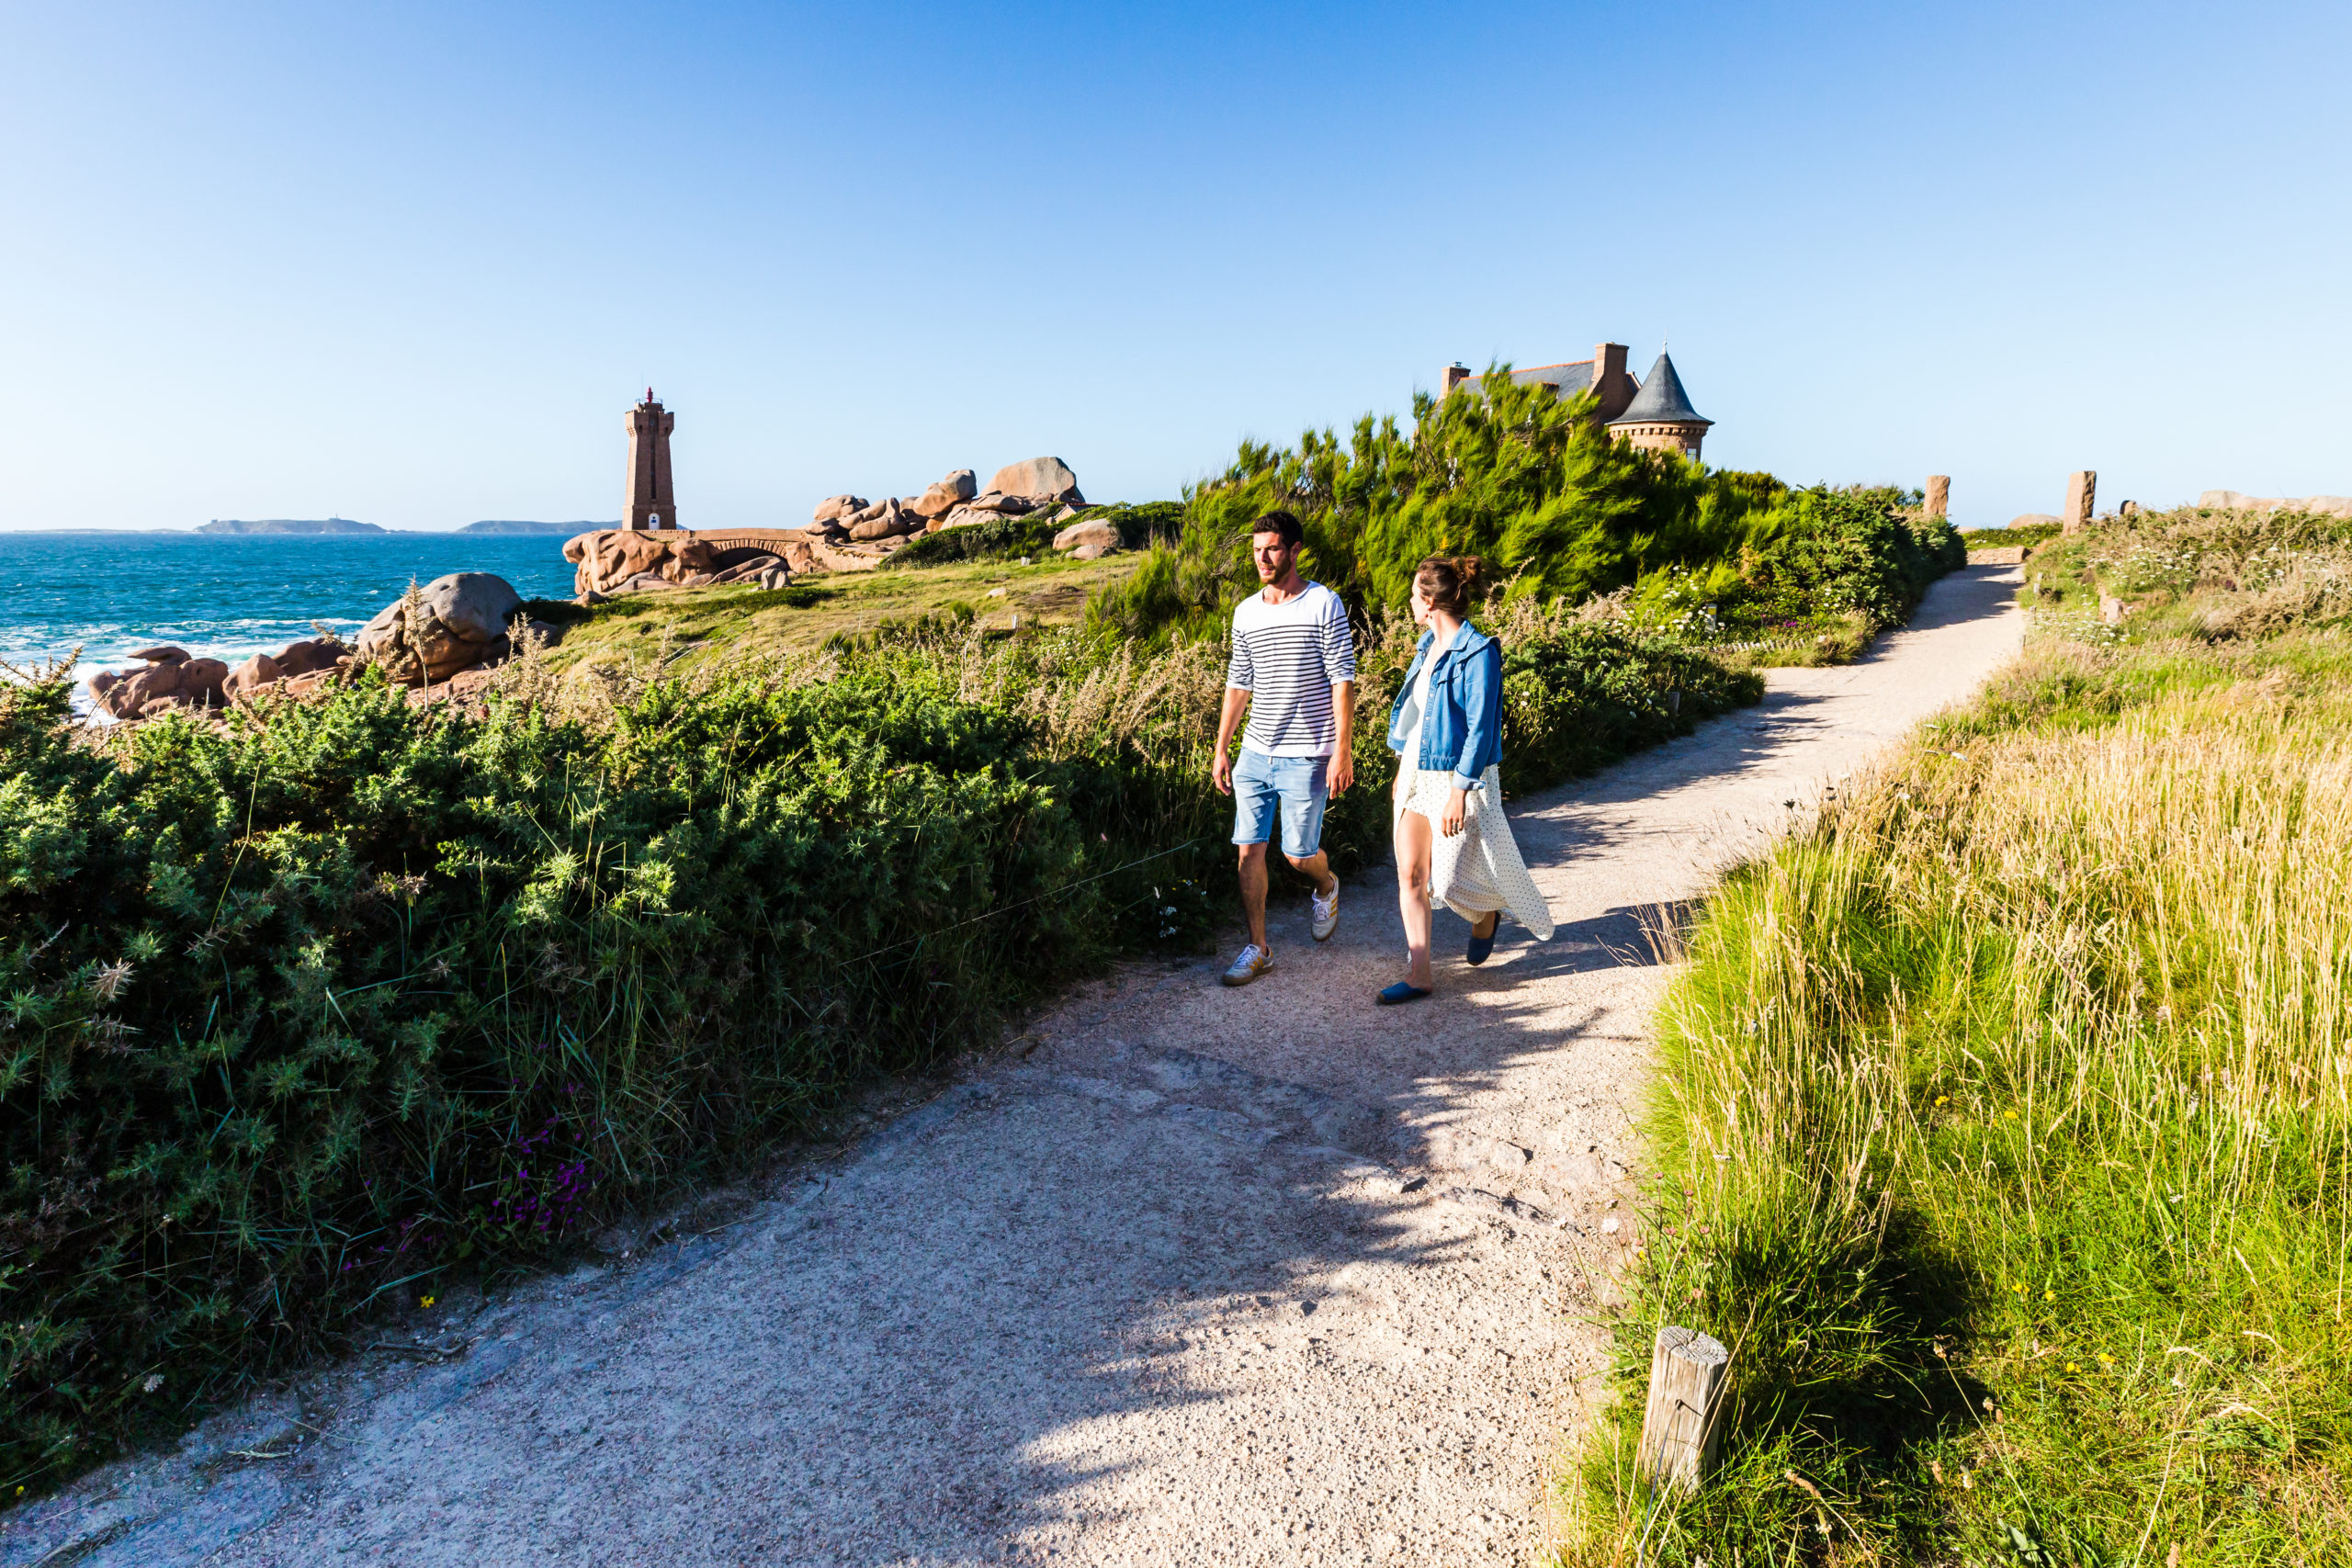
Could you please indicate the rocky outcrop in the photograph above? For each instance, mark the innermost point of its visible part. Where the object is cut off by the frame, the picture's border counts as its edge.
(2326, 505)
(171, 681)
(620, 560)
(954, 502)
(453, 623)
(263, 671)
(168, 679)
(1097, 536)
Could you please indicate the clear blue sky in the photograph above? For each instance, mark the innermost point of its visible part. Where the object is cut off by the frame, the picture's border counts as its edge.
(409, 262)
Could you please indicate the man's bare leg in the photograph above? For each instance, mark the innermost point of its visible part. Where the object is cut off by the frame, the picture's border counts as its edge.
(1253, 892)
(1316, 868)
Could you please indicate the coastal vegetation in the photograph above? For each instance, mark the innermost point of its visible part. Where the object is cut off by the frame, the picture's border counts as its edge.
(1558, 511)
(2003, 1122)
(318, 1005)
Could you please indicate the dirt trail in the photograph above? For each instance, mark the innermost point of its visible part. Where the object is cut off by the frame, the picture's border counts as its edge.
(1231, 1277)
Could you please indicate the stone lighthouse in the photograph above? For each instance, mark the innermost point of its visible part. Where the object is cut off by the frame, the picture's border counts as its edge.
(651, 502)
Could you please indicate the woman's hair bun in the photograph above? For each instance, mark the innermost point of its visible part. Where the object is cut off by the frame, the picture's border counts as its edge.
(1445, 582)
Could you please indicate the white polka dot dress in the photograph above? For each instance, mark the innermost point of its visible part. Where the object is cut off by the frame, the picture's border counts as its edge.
(1478, 870)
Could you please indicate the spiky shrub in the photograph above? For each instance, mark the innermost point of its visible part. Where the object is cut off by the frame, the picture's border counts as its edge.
(1557, 508)
(332, 999)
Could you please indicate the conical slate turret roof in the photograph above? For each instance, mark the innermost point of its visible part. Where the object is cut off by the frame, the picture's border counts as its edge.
(1661, 400)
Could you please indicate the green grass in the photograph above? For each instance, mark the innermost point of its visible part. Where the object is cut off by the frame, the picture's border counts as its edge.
(1998, 539)
(2004, 1120)
(703, 627)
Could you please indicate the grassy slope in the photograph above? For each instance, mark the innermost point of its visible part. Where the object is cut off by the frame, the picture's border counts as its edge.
(753, 622)
(2006, 1120)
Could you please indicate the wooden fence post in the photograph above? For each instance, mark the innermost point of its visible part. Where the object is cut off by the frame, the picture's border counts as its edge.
(1678, 1430)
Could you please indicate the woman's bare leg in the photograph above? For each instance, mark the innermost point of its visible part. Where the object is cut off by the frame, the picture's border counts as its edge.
(1413, 893)
(1487, 923)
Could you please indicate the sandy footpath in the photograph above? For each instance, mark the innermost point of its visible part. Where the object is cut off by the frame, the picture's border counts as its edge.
(1207, 1276)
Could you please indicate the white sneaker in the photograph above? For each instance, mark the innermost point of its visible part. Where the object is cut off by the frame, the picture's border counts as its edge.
(1327, 911)
(1254, 960)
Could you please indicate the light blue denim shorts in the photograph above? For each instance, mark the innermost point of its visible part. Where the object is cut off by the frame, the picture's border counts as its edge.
(1298, 785)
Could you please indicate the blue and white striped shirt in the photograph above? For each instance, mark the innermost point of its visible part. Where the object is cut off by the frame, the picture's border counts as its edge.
(1288, 656)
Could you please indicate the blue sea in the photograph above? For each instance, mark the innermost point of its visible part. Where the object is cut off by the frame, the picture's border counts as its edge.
(92, 597)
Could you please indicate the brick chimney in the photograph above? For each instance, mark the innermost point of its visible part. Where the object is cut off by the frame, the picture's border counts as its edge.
(1609, 382)
(1453, 376)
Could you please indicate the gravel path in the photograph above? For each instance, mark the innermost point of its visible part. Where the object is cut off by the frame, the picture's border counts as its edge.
(1207, 1276)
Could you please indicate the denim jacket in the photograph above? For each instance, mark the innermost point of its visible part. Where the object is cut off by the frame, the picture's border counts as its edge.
(1462, 729)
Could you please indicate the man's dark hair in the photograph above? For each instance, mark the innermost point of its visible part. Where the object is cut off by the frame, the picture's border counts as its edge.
(1281, 523)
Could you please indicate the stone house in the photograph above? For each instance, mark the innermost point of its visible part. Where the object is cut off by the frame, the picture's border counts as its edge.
(1655, 412)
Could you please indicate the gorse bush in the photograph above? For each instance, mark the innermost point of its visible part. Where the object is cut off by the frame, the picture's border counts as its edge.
(308, 1009)
(1559, 509)
(2004, 1120)
(323, 1003)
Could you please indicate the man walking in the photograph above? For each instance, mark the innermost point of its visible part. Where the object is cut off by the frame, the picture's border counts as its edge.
(1294, 668)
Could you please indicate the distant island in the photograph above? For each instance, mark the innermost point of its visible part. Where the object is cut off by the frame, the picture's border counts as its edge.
(510, 525)
(288, 525)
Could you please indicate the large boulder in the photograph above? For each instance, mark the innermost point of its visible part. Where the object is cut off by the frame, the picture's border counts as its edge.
(944, 496)
(836, 506)
(755, 569)
(126, 693)
(311, 653)
(1098, 535)
(200, 682)
(690, 558)
(934, 502)
(1039, 479)
(251, 676)
(265, 670)
(167, 654)
(460, 621)
(888, 519)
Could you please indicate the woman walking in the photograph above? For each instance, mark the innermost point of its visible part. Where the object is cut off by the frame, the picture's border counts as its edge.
(1452, 841)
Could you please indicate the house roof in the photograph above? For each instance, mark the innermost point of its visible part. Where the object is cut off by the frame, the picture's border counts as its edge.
(1661, 400)
(1569, 379)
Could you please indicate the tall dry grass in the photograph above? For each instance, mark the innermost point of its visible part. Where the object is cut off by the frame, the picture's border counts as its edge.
(2009, 1115)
